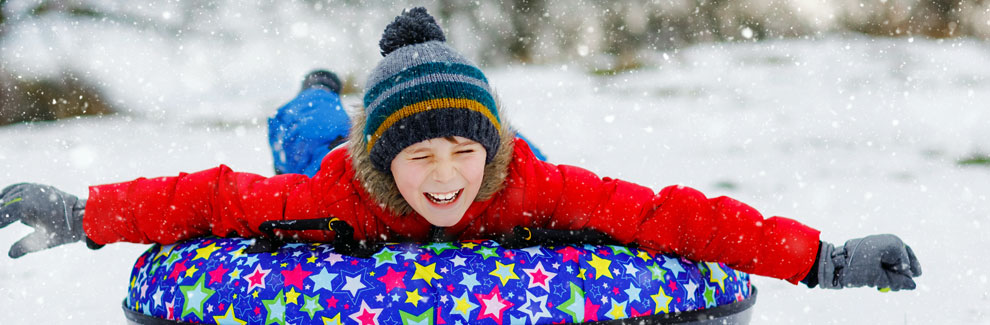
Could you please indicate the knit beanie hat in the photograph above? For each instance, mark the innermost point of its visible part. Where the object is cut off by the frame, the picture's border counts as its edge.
(322, 78)
(424, 89)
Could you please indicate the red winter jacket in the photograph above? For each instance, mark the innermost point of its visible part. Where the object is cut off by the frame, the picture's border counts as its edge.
(679, 219)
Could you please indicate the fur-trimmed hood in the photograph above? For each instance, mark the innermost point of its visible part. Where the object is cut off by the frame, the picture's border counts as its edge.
(382, 186)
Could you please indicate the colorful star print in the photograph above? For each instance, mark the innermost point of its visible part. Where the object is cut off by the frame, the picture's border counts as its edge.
(213, 280)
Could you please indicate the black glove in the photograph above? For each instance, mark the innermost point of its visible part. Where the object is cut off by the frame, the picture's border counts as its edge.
(881, 261)
(56, 216)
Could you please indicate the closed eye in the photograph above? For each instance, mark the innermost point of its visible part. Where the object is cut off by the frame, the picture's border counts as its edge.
(466, 151)
(419, 157)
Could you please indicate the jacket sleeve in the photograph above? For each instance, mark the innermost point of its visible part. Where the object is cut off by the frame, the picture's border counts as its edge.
(216, 201)
(676, 220)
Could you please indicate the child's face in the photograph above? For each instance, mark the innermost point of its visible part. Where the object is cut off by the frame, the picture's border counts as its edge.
(440, 177)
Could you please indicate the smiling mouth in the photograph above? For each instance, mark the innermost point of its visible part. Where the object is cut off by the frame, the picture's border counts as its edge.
(443, 198)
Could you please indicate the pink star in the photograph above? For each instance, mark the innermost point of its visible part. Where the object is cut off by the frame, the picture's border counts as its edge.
(295, 277)
(177, 271)
(636, 313)
(492, 305)
(426, 257)
(672, 285)
(332, 302)
(393, 279)
(570, 254)
(509, 254)
(217, 274)
(256, 279)
(590, 310)
(139, 263)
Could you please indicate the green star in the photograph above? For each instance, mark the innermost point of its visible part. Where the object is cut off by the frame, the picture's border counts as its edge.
(709, 297)
(385, 256)
(425, 318)
(487, 252)
(620, 250)
(275, 308)
(312, 305)
(657, 272)
(440, 247)
(575, 305)
(195, 296)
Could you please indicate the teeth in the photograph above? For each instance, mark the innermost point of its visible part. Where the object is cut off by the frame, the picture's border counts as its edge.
(442, 197)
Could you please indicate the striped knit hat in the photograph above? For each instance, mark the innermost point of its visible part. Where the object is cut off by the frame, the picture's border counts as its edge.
(424, 89)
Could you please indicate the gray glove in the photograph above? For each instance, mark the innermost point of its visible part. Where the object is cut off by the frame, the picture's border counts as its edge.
(881, 261)
(56, 216)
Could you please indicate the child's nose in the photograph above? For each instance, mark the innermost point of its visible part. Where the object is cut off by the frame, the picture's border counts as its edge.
(445, 171)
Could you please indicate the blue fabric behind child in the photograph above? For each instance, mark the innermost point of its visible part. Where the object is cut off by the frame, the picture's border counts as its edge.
(312, 124)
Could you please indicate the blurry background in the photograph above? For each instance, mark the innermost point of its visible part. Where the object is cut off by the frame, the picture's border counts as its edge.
(157, 59)
(854, 117)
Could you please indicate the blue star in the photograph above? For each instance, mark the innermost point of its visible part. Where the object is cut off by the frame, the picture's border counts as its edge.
(673, 265)
(633, 292)
(533, 251)
(409, 255)
(323, 280)
(470, 281)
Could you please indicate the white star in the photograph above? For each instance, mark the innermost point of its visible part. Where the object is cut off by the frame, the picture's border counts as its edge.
(631, 269)
(157, 297)
(379, 298)
(353, 284)
(690, 287)
(333, 258)
(458, 260)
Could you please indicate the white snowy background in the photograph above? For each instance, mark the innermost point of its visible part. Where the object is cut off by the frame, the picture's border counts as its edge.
(848, 134)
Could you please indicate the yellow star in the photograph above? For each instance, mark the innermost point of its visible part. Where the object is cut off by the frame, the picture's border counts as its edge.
(235, 296)
(504, 272)
(285, 264)
(413, 297)
(581, 274)
(205, 252)
(644, 255)
(133, 280)
(311, 259)
(716, 274)
(255, 294)
(469, 245)
(462, 305)
(372, 273)
(236, 254)
(662, 300)
(292, 297)
(167, 249)
(235, 274)
(332, 321)
(228, 317)
(618, 310)
(427, 273)
(190, 271)
(601, 266)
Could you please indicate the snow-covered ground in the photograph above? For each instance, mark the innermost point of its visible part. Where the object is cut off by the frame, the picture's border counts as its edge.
(851, 136)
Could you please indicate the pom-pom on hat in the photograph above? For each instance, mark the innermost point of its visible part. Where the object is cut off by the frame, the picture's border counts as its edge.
(424, 89)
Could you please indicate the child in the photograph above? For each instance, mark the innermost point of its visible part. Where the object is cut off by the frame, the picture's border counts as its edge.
(308, 127)
(430, 153)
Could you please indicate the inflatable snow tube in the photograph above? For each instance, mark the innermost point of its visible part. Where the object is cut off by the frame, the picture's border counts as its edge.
(213, 281)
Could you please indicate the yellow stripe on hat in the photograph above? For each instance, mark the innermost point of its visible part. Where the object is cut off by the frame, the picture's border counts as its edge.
(431, 104)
